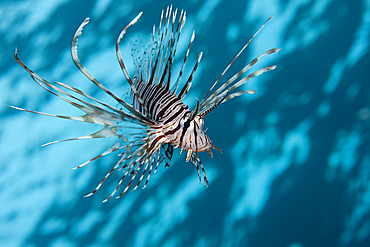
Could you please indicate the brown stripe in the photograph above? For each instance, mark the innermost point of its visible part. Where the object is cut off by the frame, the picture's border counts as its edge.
(171, 132)
(156, 97)
(175, 115)
(155, 142)
(166, 107)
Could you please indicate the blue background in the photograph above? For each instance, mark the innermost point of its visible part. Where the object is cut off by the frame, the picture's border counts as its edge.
(295, 166)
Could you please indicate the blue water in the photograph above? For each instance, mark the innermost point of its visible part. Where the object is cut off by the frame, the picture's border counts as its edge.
(295, 166)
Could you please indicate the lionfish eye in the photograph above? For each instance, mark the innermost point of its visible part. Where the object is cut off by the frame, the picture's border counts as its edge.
(186, 124)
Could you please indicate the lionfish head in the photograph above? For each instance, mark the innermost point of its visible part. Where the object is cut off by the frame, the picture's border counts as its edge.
(198, 140)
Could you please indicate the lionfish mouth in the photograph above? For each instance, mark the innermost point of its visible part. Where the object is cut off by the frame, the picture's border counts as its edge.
(147, 128)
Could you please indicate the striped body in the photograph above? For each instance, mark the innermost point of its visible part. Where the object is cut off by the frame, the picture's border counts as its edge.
(159, 101)
(168, 111)
(156, 122)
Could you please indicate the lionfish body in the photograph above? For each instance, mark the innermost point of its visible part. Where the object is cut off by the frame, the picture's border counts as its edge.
(157, 120)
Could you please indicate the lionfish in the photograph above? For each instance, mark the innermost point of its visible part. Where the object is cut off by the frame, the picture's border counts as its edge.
(156, 121)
